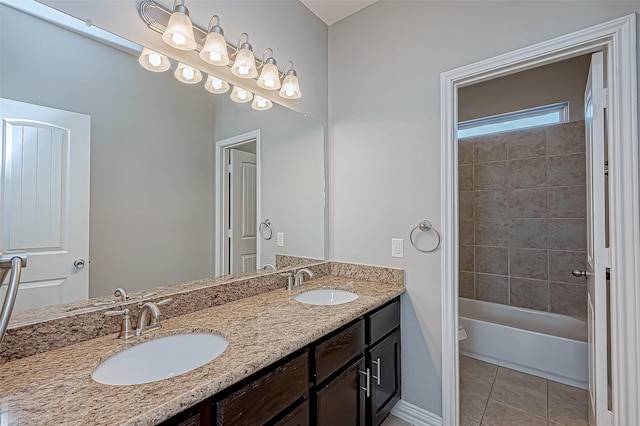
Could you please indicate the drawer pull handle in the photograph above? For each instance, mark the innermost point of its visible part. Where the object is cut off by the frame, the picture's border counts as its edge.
(367, 375)
(377, 364)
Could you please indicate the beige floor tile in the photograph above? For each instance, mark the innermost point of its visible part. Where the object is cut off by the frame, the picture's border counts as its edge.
(568, 406)
(468, 422)
(502, 415)
(392, 420)
(472, 405)
(476, 376)
(522, 391)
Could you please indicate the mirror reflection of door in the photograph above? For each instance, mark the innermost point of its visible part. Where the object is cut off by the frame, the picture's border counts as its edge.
(44, 189)
(242, 214)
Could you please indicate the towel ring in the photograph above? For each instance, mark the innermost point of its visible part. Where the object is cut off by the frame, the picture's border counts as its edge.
(264, 227)
(424, 226)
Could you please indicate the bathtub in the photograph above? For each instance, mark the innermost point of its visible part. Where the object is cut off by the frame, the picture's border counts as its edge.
(548, 345)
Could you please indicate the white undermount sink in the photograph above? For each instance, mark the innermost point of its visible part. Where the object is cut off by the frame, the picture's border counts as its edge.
(160, 359)
(326, 296)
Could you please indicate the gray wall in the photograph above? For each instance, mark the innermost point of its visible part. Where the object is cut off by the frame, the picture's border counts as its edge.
(384, 130)
(151, 162)
(292, 160)
(288, 27)
(523, 218)
(558, 82)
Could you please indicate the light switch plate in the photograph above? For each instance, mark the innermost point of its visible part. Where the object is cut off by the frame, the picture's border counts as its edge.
(397, 247)
(280, 239)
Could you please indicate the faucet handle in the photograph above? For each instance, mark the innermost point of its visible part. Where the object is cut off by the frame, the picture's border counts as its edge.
(164, 302)
(126, 330)
(289, 276)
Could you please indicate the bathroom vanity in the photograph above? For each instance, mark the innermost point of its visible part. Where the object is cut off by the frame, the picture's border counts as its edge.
(350, 377)
(286, 363)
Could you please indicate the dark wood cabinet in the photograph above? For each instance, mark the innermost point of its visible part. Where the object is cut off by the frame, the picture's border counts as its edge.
(299, 416)
(340, 401)
(268, 395)
(384, 361)
(350, 377)
(336, 351)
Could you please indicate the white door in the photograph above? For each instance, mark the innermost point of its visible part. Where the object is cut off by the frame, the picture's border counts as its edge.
(595, 100)
(44, 191)
(242, 218)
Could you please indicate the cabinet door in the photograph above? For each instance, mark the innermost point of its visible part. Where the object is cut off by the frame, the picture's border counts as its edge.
(384, 361)
(299, 416)
(341, 401)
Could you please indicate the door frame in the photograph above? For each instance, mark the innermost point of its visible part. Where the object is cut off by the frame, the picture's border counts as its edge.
(619, 38)
(221, 154)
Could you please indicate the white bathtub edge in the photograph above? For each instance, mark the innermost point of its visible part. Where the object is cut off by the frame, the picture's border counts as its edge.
(528, 370)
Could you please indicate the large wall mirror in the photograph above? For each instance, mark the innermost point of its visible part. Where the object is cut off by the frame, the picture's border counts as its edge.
(161, 208)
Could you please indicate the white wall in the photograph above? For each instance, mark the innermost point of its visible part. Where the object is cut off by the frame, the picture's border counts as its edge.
(384, 131)
(288, 27)
(563, 81)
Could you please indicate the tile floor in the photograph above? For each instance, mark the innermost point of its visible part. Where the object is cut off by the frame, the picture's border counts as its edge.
(497, 396)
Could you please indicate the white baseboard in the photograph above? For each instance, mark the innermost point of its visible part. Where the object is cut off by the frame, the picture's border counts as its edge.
(415, 415)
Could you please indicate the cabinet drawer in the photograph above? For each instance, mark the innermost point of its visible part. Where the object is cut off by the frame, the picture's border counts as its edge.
(382, 322)
(260, 400)
(299, 416)
(338, 350)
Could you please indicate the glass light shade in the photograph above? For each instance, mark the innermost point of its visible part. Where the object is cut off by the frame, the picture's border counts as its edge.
(269, 77)
(215, 85)
(245, 63)
(179, 32)
(261, 104)
(153, 61)
(187, 74)
(241, 95)
(290, 86)
(214, 51)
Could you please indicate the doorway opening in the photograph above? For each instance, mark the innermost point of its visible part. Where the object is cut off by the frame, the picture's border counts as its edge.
(617, 40)
(522, 230)
(237, 204)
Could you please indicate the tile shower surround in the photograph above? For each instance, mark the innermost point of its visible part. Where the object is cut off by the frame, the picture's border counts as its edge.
(523, 218)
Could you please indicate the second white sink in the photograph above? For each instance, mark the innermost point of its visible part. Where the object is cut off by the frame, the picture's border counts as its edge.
(326, 296)
(160, 359)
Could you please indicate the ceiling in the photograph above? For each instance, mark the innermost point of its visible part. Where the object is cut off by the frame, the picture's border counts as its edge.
(332, 11)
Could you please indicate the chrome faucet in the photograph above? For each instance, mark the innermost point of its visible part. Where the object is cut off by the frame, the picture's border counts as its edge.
(299, 277)
(121, 293)
(146, 324)
(268, 266)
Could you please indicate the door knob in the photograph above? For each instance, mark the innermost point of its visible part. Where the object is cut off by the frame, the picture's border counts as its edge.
(580, 273)
(78, 263)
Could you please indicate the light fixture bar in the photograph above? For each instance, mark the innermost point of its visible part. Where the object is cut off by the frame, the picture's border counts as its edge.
(145, 10)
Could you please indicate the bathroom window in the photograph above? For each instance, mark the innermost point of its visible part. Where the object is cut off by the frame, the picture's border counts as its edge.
(540, 116)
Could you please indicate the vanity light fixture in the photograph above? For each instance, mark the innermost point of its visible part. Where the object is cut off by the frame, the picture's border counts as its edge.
(215, 51)
(215, 85)
(187, 74)
(179, 31)
(290, 86)
(240, 95)
(153, 61)
(261, 104)
(269, 76)
(244, 65)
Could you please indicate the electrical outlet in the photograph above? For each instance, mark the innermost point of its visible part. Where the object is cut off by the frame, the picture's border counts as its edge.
(280, 239)
(397, 247)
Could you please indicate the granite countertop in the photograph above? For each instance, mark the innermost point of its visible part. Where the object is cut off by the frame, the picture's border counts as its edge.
(55, 387)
